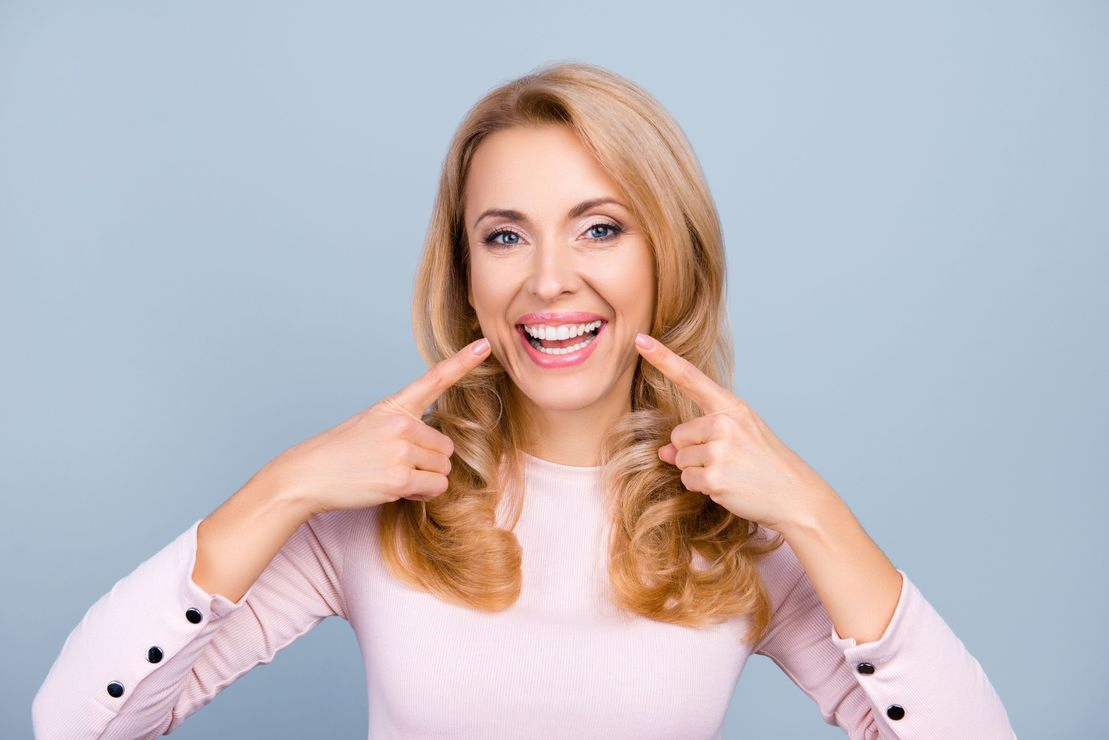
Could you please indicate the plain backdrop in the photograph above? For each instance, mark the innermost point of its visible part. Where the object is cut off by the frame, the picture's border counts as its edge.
(211, 215)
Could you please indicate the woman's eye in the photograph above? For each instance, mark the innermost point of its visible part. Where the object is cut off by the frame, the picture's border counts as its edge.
(491, 240)
(611, 227)
(608, 232)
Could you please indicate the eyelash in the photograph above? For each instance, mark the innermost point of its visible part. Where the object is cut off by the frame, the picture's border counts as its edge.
(489, 240)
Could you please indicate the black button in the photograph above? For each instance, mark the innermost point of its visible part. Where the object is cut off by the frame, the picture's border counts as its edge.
(193, 615)
(115, 688)
(895, 711)
(154, 654)
(866, 668)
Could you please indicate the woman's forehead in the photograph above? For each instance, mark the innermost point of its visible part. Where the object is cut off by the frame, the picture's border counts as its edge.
(540, 172)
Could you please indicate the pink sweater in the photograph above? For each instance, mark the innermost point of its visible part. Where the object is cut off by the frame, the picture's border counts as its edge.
(561, 662)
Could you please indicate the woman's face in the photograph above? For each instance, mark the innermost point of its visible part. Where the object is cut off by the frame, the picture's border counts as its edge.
(546, 257)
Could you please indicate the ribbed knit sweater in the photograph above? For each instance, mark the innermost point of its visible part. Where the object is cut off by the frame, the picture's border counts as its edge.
(560, 662)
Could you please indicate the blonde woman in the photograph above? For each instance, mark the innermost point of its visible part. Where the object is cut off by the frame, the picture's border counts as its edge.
(570, 526)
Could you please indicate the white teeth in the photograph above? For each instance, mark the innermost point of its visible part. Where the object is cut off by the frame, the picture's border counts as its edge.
(563, 331)
(565, 350)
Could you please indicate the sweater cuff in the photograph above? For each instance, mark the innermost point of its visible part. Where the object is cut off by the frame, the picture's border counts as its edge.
(880, 649)
(880, 666)
(134, 646)
(157, 619)
(217, 605)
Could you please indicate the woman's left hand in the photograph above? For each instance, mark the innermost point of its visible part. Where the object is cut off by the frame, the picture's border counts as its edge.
(731, 455)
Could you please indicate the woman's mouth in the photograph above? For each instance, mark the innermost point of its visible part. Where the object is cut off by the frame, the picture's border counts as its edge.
(552, 353)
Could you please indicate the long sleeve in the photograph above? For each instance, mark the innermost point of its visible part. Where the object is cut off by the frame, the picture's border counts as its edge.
(916, 681)
(157, 647)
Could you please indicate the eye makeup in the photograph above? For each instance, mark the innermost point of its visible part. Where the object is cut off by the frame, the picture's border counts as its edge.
(490, 240)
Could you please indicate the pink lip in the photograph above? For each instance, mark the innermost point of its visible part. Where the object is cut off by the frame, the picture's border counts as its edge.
(556, 361)
(554, 319)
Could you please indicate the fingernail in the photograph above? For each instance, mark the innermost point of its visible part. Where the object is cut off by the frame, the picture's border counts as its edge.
(480, 346)
(644, 341)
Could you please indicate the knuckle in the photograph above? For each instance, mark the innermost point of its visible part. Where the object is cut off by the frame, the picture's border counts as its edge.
(687, 371)
(401, 477)
(712, 480)
(406, 450)
(435, 375)
(396, 423)
(459, 366)
(387, 404)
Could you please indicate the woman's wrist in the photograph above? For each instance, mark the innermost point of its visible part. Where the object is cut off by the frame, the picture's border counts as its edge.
(284, 491)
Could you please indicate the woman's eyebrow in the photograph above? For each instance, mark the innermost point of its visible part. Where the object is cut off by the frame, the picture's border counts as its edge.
(576, 211)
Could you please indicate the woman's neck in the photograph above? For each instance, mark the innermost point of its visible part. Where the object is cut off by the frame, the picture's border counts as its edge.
(573, 437)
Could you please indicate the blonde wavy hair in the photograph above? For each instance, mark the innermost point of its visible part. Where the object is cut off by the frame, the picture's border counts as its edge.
(451, 545)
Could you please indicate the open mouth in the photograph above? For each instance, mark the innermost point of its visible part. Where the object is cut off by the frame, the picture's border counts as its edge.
(557, 347)
(555, 353)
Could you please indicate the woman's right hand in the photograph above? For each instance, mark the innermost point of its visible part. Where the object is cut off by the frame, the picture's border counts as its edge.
(382, 453)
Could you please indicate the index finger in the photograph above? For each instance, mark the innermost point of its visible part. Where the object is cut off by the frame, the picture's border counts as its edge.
(700, 387)
(422, 392)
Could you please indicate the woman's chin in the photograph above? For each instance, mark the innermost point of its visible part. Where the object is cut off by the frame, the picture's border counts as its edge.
(562, 396)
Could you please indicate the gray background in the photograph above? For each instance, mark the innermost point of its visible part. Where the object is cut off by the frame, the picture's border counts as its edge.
(211, 213)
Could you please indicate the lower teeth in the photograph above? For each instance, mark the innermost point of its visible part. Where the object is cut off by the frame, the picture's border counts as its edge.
(561, 350)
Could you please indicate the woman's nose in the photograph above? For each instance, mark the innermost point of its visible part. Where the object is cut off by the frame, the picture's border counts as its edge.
(553, 272)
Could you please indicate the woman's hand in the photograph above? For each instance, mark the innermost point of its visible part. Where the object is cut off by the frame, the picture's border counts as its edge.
(731, 455)
(382, 453)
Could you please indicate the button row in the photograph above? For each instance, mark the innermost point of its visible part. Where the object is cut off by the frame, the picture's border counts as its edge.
(155, 654)
(893, 711)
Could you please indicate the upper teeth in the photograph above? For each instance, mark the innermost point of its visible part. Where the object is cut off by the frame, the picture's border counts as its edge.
(564, 331)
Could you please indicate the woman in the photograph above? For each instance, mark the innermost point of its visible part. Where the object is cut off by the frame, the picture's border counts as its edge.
(586, 534)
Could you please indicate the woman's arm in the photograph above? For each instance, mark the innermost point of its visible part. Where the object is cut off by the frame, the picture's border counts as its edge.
(159, 645)
(238, 540)
(915, 680)
(911, 677)
(857, 583)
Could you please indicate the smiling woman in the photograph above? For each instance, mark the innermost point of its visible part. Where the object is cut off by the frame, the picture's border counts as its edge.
(571, 196)
(584, 270)
(569, 525)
